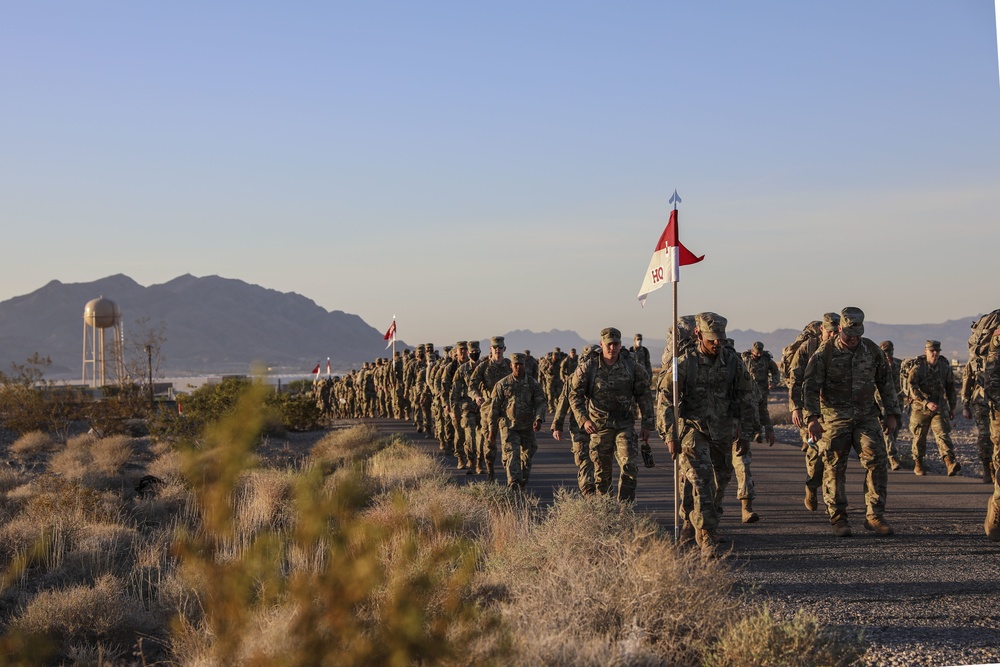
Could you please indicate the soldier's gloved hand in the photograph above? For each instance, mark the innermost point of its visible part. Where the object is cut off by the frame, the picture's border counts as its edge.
(890, 424)
(769, 436)
(742, 447)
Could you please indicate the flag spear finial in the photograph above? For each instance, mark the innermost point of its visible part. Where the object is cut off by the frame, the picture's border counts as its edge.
(674, 199)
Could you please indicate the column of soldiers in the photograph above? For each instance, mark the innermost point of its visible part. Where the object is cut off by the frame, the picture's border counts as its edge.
(844, 393)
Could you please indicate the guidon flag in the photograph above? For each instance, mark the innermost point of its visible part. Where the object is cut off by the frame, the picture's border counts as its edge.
(669, 255)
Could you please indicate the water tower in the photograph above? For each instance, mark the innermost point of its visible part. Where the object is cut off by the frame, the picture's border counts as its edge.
(99, 315)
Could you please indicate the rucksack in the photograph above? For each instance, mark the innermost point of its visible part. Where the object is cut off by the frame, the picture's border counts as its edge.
(788, 352)
(904, 376)
(982, 331)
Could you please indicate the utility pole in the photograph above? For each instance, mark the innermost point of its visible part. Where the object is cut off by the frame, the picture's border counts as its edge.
(149, 355)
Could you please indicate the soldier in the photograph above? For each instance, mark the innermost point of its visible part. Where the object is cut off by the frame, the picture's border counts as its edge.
(568, 366)
(840, 384)
(932, 391)
(977, 407)
(764, 372)
(415, 380)
(518, 410)
(890, 436)
(991, 380)
(742, 457)
(464, 410)
(579, 439)
(641, 355)
(716, 407)
(601, 396)
(484, 379)
(530, 364)
(819, 333)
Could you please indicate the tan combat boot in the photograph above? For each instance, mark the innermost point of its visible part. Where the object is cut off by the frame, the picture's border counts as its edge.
(987, 472)
(992, 523)
(749, 516)
(708, 541)
(841, 528)
(953, 466)
(878, 525)
(918, 467)
(894, 463)
(810, 501)
(687, 532)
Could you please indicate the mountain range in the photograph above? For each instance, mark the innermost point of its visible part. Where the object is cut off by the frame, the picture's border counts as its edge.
(220, 325)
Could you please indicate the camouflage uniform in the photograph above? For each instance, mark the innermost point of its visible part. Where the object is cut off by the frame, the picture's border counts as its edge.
(484, 379)
(932, 383)
(518, 407)
(991, 381)
(839, 390)
(415, 380)
(977, 407)
(530, 364)
(579, 439)
(602, 394)
(715, 399)
(890, 435)
(796, 401)
(764, 372)
(641, 355)
(463, 410)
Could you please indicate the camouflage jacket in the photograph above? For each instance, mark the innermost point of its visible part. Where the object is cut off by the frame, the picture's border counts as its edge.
(604, 394)
(518, 401)
(932, 384)
(973, 384)
(485, 377)
(563, 410)
(568, 367)
(840, 383)
(762, 369)
(461, 401)
(992, 374)
(716, 395)
(797, 374)
(641, 356)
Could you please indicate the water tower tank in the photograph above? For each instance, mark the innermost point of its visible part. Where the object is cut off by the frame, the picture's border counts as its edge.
(101, 313)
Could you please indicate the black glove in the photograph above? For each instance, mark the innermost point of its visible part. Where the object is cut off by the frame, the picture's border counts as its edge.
(647, 455)
(742, 447)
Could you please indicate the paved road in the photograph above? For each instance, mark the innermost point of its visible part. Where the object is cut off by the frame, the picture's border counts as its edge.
(928, 595)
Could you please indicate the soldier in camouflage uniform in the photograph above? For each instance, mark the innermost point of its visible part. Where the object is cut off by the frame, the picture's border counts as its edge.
(746, 490)
(764, 372)
(991, 382)
(840, 384)
(932, 407)
(462, 449)
(568, 366)
(443, 428)
(977, 408)
(467, 412)
(716, 407)
(601, 397)
(415, 380)
(517, 412)
(579, 439)
(530, 364)
(484, 379)
(890, 436)
(641, 355)
(825, 330)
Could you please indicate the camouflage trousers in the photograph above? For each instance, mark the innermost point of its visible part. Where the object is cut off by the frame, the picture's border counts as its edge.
(865, 437)
(700, 496)
(744, 480)
(621, 444)
(581, 457)
(814, 462)
(466, 434)
(890, 438)
(981, 415)
(517, 448)
(488, 447)
(922, 421)
(995, 438)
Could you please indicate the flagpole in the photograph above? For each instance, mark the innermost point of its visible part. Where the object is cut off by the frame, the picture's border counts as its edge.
(393, 336)
(676, 407)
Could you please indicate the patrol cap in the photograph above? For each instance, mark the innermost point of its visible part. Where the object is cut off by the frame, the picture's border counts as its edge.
(711, 325)
(933, 345)
(517, 358)
(473, 344)
(557, 350)
(830, 321)
(611, 335)
(758, 347)
(852, 321)
(638, 336)
(886, 346)
(496, 341)
(462, 345)
(814, 327)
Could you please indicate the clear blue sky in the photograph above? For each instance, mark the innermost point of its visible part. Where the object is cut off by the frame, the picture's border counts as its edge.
(477, 167)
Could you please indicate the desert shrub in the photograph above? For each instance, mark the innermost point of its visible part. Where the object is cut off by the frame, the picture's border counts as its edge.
(295, 412)
(626, 594)
(95, 462)
(102, 613)
(31, 443)
(760, 639)
(346, 446)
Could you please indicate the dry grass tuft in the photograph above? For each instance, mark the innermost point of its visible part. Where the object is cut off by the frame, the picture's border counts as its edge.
(402, 466)
(95, 462)
(32, 443)
(346, 446)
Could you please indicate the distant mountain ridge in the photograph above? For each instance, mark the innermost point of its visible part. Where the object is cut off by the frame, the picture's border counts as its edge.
(221, 325)
(213, 325)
